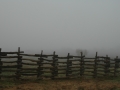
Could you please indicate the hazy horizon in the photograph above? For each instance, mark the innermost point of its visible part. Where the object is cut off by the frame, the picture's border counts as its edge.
(61, 26)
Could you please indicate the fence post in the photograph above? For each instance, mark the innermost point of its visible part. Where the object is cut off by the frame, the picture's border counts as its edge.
(0, 62)
(39, 66)
(82, 65)
(54, 64)
(107, 65)
(116, 65)
(19, 64)
(68, 68)
(95, 66)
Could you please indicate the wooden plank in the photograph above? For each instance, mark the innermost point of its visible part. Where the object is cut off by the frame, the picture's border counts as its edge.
(62, 62)
(62, 66)
(13, 66)
(75, 70)
(89, 64)
(29, 55)
(46, 63)
(27, 74)
(89, 71)
(29, 64)
(46, 60)
(34, 55)
(89, 61)
(74, 60)
(88, 67)
(11, 52)
(103, 70)
(50, 76)
(102, 64)
(76, 56)
(3, 54)
(10, 70)
(46, 71)
(32, 60)
(88, 74)
(6, 76)
(11, 57)
(100, 67)
(45, 55)
(46, 67)
(89, 58)
(8, 61)
(103, 57)
(63, 57)
(29, 68)
(61, 69)
(75, 66)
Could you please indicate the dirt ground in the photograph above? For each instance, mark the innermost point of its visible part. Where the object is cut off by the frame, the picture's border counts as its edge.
(72, 84)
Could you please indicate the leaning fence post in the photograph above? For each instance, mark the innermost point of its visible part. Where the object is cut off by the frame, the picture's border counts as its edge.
(19, 64)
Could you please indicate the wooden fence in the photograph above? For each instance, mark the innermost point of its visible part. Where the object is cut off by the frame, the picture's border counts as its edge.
(19, 65)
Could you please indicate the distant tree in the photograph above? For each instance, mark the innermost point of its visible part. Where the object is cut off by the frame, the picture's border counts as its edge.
(78, 51)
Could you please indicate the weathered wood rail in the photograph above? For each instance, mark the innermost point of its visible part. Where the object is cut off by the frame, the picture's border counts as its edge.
(19, 65)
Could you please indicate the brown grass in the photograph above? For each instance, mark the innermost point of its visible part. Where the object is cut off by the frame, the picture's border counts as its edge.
(72, 84)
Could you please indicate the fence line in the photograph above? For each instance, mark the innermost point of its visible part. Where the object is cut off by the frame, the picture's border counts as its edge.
(52, 66)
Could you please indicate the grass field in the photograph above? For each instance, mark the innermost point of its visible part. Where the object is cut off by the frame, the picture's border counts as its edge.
(62, 84)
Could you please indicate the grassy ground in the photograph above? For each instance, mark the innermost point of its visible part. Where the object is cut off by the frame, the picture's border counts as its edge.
(62, 84)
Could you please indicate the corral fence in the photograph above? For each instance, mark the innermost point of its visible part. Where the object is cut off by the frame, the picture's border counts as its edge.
(19, 65)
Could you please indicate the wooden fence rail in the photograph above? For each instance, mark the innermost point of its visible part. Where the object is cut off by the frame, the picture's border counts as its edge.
(18, 65)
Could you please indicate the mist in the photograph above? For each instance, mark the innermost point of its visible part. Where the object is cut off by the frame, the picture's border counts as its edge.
(62, 26)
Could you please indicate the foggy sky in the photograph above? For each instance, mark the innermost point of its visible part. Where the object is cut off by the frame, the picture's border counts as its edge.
(60, 25)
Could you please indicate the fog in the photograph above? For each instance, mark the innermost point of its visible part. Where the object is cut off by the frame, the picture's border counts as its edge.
(60, 25)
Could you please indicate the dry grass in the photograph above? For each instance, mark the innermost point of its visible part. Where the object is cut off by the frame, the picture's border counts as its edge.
(72, 84)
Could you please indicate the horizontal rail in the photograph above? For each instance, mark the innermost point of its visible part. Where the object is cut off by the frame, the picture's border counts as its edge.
(8, 61)
(77, 56)
(12, 66)
(46, 55)
(11, 52)
(10, 76)
(29, 64)
(32, 60)
(10, 56)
